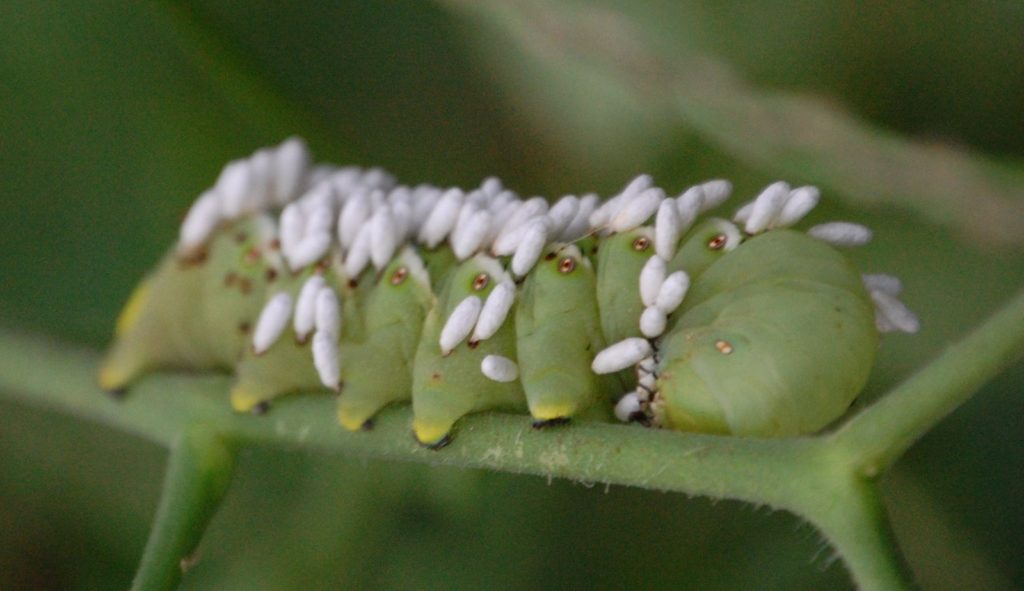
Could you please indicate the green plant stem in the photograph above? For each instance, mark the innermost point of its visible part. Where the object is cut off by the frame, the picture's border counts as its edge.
(792, 474)
(876, 437)
(198, 473)
(828, 480)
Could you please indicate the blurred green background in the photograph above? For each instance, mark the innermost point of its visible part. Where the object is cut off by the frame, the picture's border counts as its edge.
(114, 115)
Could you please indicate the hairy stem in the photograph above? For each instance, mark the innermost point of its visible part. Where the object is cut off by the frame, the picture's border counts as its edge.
(799, 475)
(198, 473)
(876, 437)
(856, 525)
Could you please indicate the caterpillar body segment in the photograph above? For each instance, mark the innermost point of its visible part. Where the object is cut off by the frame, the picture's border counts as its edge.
(188, 315)
(768, 344)
(620, 258)
(468, 301)
(447, 387)
(377, 370)
(558, 333)
(703, 246)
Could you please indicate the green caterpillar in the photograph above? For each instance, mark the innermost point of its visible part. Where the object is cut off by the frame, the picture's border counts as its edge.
(463, 302)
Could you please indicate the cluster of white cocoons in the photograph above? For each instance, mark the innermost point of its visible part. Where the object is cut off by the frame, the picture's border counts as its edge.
(362, 217)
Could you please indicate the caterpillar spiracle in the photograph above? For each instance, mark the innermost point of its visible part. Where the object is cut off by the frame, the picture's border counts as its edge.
(302, 277)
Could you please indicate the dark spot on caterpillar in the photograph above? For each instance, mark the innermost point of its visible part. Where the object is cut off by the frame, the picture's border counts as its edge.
(321, 265)
(367, 425)
(353, 283)
(243, 327)
(399, 275)
(260, 408)
(271, 274)
(245, 285)
(544, 424)
(473, 343)
(117, 394)
(567, 265)
(641, 243)
(724, 347)
(241, 237)
(437, 444)
(550, 256)
(717, 242)
(641, 418)
(480, 281)
(253, 255)
(230, 279)
(274, 244)
(435, 376)
(193, 259)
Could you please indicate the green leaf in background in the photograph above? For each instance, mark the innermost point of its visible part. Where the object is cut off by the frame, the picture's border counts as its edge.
(116, 114)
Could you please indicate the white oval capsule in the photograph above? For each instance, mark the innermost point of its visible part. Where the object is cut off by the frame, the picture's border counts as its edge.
(272, 322)
(499, 369)
(471, 238)
(842, 233)
(621, 355)
(352, 218)
(359, 255)
(291, 165)
(652, 275)
(325, 359)
(495, 311)
(883, 283)
(716, 192)
(442, 218)
(637, 210)
(652, 322)
(627, 406)
(328, 312)
(580, 224)
(234, 186)
(383, 237)
(305, 307)
(292, 227)
(672, 292)
(667, 229)
(766, 207)
(891, 314)
(200, 222)
(562, 213)
(530, 248)
(689, 205)
(460, 323)
(312, 248)
(800, 202)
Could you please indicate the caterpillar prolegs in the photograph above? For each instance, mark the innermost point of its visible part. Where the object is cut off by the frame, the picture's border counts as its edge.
(300, 277)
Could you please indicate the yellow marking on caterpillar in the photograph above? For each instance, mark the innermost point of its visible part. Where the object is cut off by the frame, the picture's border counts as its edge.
(129, 315)
(112, 378)
(350, 421)
(547, 412)
(429, 433)
(242, 400)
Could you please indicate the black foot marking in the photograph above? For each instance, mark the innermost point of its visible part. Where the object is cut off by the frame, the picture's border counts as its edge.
(367, 425)
(640, 417)
(260, 409)
(117, 394)
(538, 425)
(437, 444)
